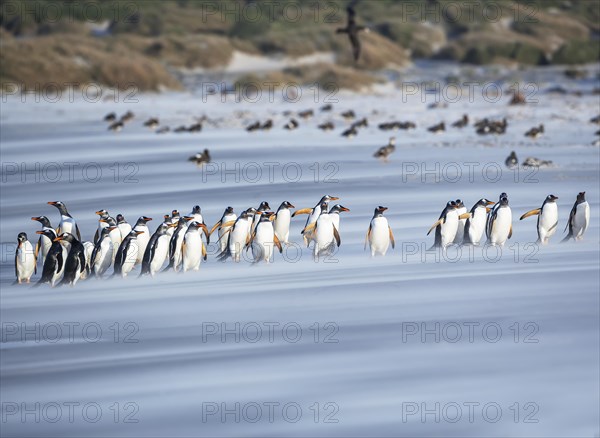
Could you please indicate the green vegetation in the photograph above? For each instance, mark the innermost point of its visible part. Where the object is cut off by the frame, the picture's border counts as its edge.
(115, 42)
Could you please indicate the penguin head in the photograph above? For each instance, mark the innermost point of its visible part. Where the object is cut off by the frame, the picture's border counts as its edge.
(48, 233)
(22, 237)
(109, 220)
(502, 195)
(379, 210)
(484, 202)
(504, 201)
(102, 213)
(61, 207)
(67, 237)
(267, 216)
(196, 210)
(264, 206)
(196, 225)
(581, 197)
(451, 205)
(337, 208)
(142, 220)
(328, 198)
(251, 211)
(120, 219)
(228, 210)
(175, 213)
(459, 203)
(551, 198)
(323, 207)
(42, 220)
(286, 204)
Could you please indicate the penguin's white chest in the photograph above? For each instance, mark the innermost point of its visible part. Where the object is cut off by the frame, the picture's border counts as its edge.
(282, 225)
(25, 261)
(238, 237)
(501, 226)
(477, 225)
(104, 256)
(380, 236)
(324, 236)
(192, 250)
(449, 228)
(262, 246)
(223, 230)
(67, 225)
(547, 221)
(581, 219)
(141, 242)
(130, 258)
(160, 253)
(125, 229)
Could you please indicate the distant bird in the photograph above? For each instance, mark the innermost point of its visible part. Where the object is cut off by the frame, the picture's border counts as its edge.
(163, 130)
(595, 120)
(350, 132)
(536, 162)
(267, 125)
(116, 126)
(385, 151)
(180, 129)
(485, 126)
(436, 129)
(201, 158)
(535, 132)
(518, 99)
(327, 126)
(110, 117)
(464, 121)
(306, 114)
(196, 127)
(512, 161)
(151, 123)
(127, 117)
(327, 107)
(437, 105)
(579, 218)
(253, 127)
(348, 114)
(362, 123)
(352, 29)
(291, 125)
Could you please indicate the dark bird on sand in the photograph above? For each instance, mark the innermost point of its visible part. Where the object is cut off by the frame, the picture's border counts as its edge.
(201, 157)
(464, 121)
(110, 117)
(436, 129)
(327, 126)
(512, 161)
(385, 151)
(352, 29)
(291, 125)
(535, 132)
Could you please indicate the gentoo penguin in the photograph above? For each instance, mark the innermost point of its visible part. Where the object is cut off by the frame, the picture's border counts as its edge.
(475, 222)
(436, 129)
(123, 226)
(380, 233)
(238, 235)
(325, 233)
(263, 207)
(460, 231)
(193, 249)
(176, 243)
(54, 264)
(67, 223)
(462, 122)
(142, 239)
(579, 218)
(281, 223)
(126, 254)
(499, 223)
(334, 212)
(512, 160)
(313, 215)
(102, 256)
(228, 216)
(103, 214)
(114, 234)
(44, 242)
(75, 264)
(157, 250)
(385, 151)
(264, 238)
(547, 218)
(25, 259)
(196, 215)
(88, 248)
(446, 226)
(535, 132)
(352, 29)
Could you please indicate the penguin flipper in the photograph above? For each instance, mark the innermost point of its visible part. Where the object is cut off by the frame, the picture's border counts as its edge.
(204, 254)
(227, 224)
(277, 243)
(206, 233)
(78, 233)
(37, 248)
(215, 226)
(96, 236)
(392, 237)
(82, 264)
(309, 228)
(533, 212)
(439, 222)
(510, 232)
(367, 237)
(336, 235)
(302, 211)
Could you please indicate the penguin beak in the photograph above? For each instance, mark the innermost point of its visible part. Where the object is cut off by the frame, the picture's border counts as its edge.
(111, 228)
(171, 225)
(35, 218)
(147, 218)
(203, 228)
(347, 209)
(138, 232)
(188, 218)
(52, 203)
(99, 213)
(272, 217)
(103, 220)
(333, 198)
(39, 232)
(490, 203)
(58, 239)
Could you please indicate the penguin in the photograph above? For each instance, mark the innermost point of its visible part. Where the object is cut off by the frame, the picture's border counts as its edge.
(461, 123)
(102, 256)
(103, 214)
(499, 223)
(123, 226)
(25, 259)
(176, 242)
(142, 239)
(44, 243)
(335, 214)
(238, 235)
(512, 161)
(201, 158)
(193, 249)
(579, 218)
(126, 254)
(446, 226)
(114, 234)
(379, 235)
(54, 264)
(436, 129)
(67, 223)
(156, 250)
(547, 219)
(313, 215)
(263, 207)
(281, 223)
(460, 231)
(175, 216)
(475, 222)
(228, 216)
(75, 264)
(196, 215)
(325, 233)
(385, 151)
(264, 239)
(88, 248)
